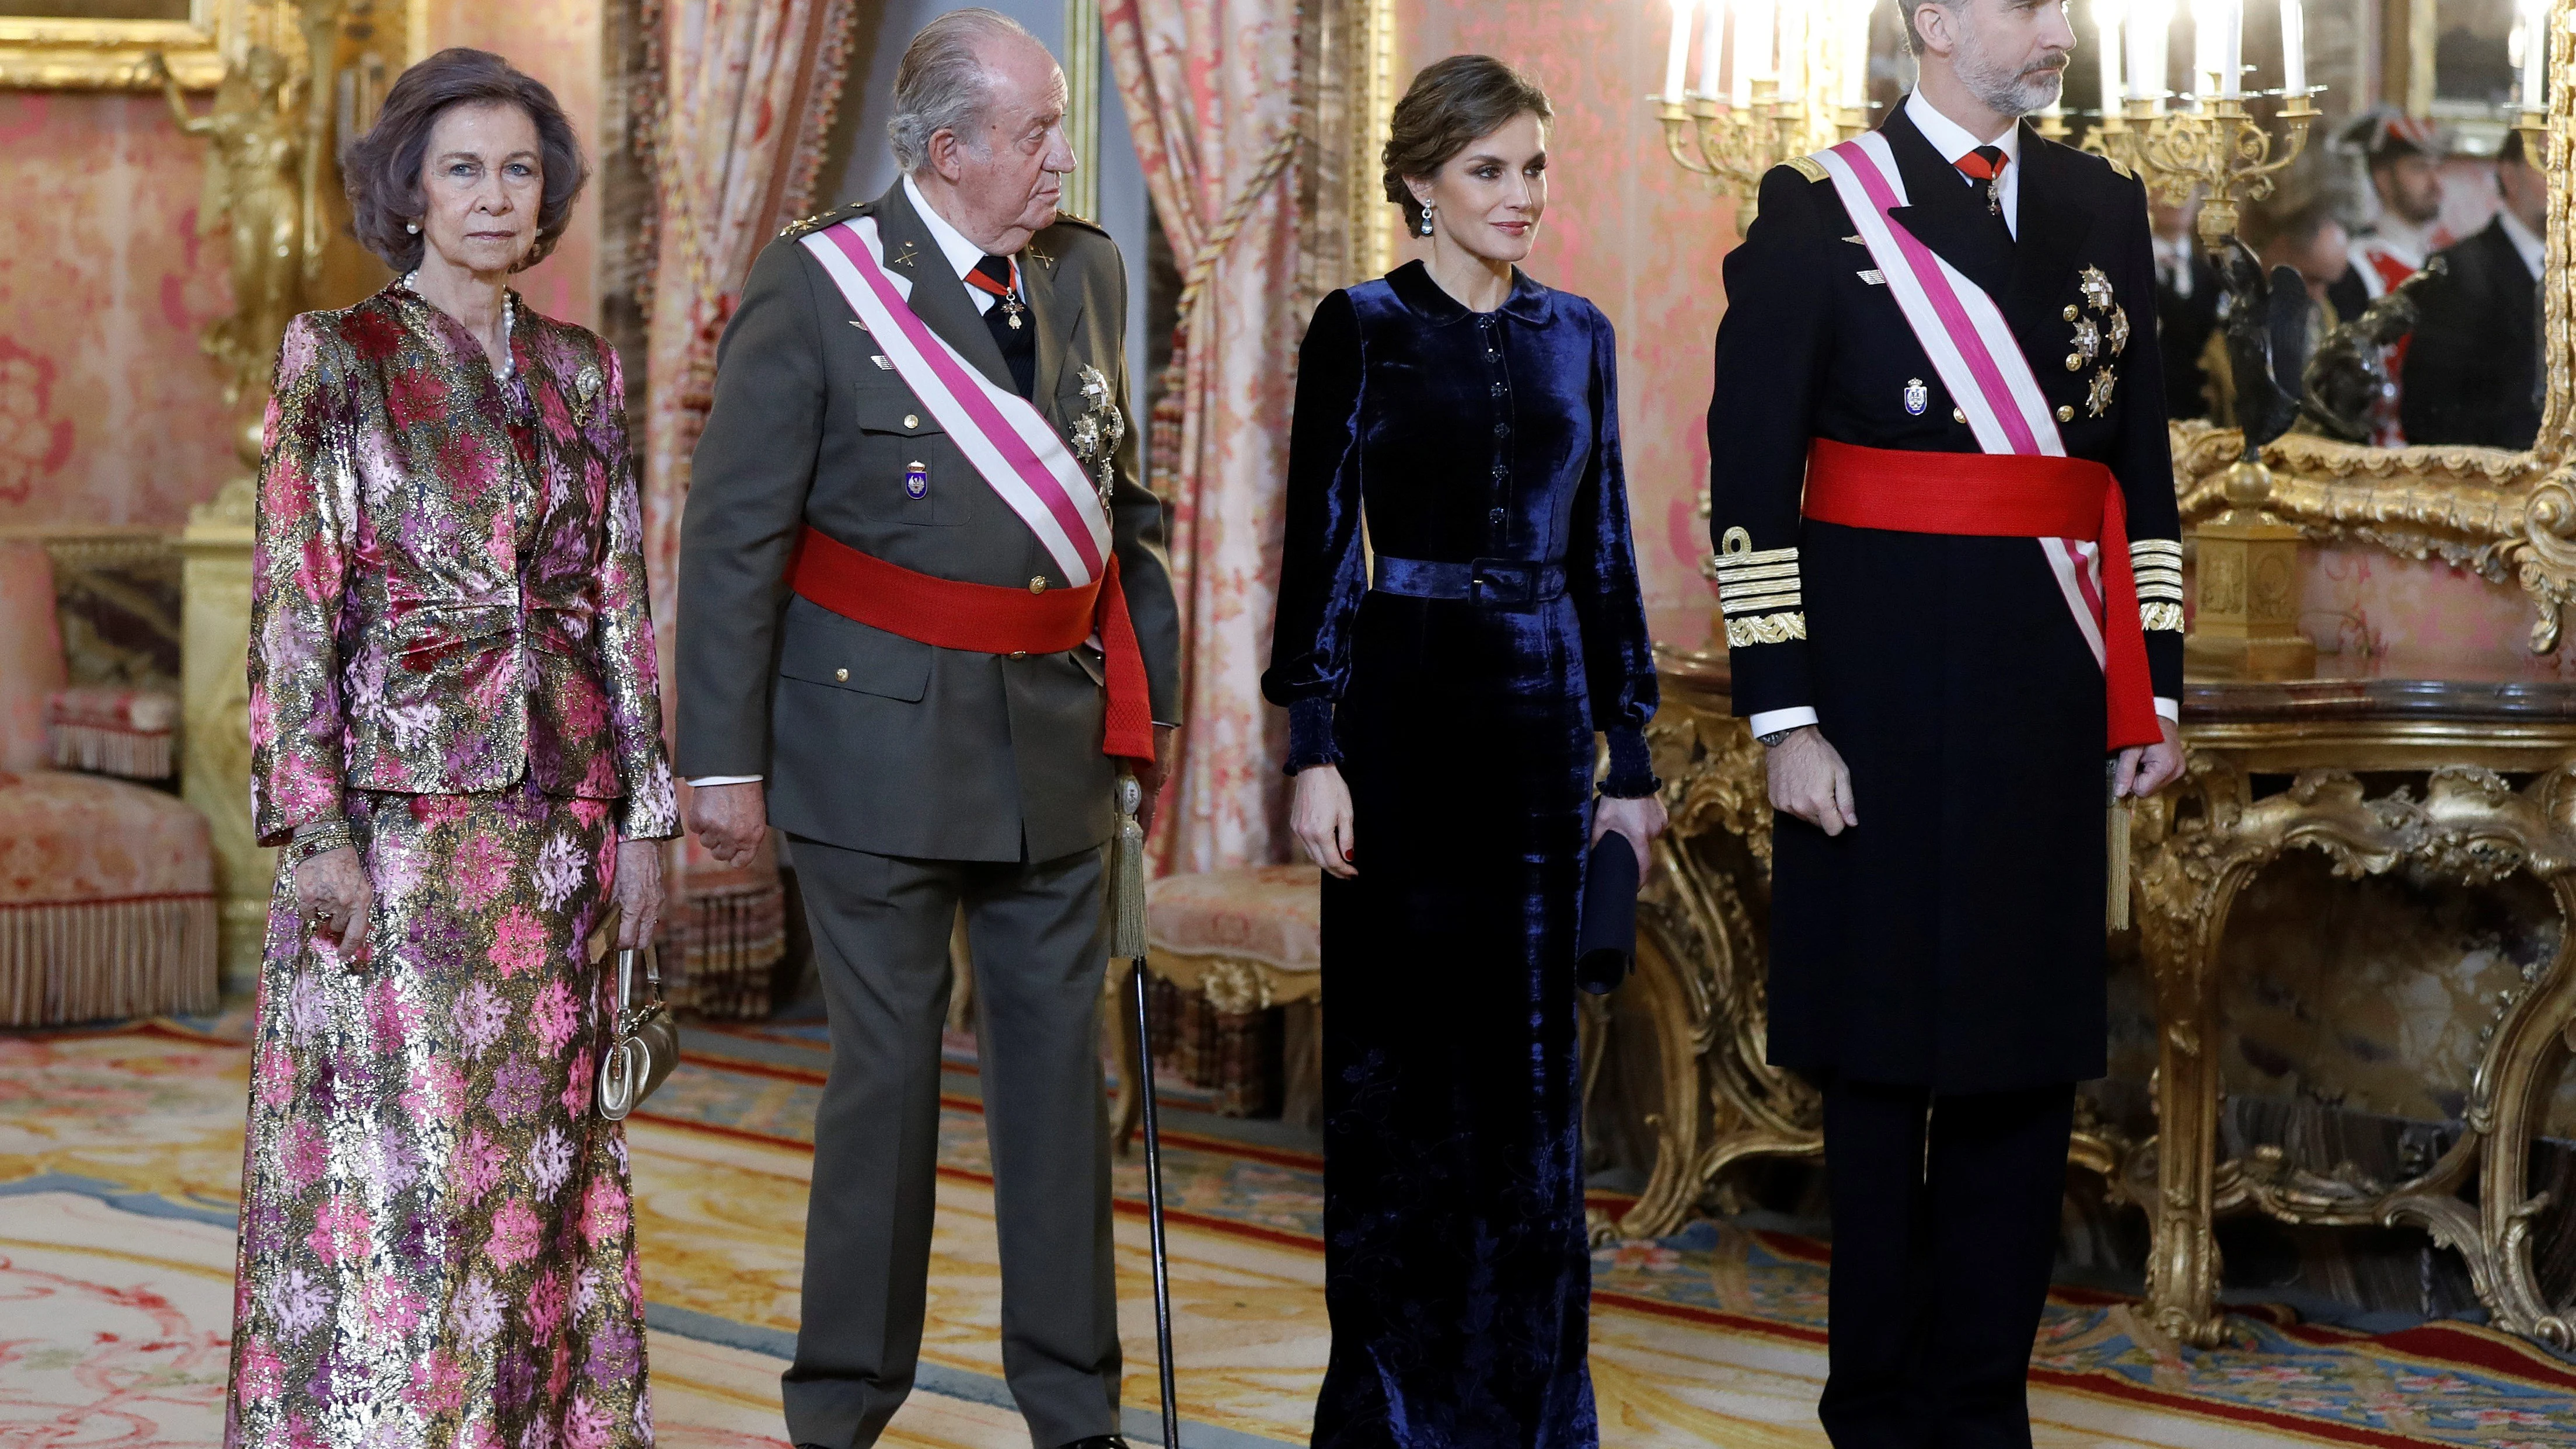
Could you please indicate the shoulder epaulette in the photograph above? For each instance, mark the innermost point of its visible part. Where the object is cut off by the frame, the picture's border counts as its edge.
(2122, 168)
(820, 220)
(1809, 167)
(1086, 223)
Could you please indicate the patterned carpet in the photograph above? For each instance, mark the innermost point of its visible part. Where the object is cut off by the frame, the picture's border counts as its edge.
(119, 1170)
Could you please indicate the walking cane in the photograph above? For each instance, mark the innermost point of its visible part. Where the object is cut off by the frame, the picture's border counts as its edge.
(1127, 942)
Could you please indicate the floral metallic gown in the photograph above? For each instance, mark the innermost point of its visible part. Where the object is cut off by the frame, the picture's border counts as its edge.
(449, 651)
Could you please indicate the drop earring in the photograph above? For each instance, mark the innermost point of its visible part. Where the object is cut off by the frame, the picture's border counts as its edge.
(1426, 218)
(413, 227)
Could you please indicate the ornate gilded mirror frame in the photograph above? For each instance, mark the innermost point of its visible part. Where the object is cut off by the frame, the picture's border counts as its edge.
(68, 52)
(1348, 97)
(2510, 517)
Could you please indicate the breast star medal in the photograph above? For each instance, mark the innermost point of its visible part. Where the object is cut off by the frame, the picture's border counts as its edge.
(1917, 397)
(2117, 330)
(2095, 287)
(1097, 431)
(2087, 342)
(916, 480)
(2099, 401)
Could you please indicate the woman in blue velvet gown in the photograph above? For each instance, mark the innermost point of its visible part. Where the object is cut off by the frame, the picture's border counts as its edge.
(1442, 717)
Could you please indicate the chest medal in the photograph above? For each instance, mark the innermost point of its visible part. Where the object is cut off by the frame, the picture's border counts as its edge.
(916, 480)
(1917, 397)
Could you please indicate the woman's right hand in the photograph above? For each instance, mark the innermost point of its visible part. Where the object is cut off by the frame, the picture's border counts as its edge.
(1321, 817)
(332, 893)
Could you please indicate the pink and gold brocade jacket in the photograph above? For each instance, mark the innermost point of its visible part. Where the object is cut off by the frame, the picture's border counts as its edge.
(448, 596)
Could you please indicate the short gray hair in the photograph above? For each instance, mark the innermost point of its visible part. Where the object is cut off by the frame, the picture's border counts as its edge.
(942, 82)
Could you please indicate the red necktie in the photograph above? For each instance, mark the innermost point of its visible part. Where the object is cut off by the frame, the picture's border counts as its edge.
(1987, 164)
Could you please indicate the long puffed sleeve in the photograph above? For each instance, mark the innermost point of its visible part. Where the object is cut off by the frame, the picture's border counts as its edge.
(306, 532)
(1601, 578)
(1322, 571)
(1772, 347)
(627, 665)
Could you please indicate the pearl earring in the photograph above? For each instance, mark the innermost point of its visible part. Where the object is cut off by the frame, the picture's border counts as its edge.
(413, 227)
(1426, 218)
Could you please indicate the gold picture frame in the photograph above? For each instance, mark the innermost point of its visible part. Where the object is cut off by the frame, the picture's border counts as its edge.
(76, 52)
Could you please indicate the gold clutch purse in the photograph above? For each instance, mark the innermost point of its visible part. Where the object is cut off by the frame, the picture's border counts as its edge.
(644, 1041)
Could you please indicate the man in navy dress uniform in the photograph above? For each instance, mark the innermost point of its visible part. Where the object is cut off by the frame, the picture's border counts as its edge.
(1949, 562)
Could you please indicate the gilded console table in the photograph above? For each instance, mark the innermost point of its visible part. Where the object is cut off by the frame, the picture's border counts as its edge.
(1701, 958)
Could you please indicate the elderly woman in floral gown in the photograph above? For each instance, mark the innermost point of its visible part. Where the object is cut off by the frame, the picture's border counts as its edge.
(457, 741)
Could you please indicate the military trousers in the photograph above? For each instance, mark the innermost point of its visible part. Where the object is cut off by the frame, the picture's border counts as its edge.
(1946, 1213)
(881, 932)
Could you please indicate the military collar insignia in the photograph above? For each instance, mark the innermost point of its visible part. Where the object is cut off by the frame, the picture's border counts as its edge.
(1041, 258)
(905, 254)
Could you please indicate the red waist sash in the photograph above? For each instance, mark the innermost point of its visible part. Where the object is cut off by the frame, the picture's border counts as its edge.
(2005, 495)
(989, 619)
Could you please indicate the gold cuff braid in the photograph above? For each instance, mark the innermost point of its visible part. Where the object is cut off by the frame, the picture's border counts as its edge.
(1768, 629)
(2159, 616)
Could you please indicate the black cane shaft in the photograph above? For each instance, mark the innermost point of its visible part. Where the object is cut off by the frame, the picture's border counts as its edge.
(1154, 1210)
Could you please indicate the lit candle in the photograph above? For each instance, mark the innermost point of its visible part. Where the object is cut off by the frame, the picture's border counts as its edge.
(1752, 50)
(2106, 39)
(1855, 54)
(1793, 53)
(1677, 58)
(2231, 48)
(2204, 48)
(2533, 25)
(2294, 48)
(2150, 31)
(1712, 52)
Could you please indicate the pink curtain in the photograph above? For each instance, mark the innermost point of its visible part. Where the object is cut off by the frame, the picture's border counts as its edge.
(1210, 88)
(750, 88)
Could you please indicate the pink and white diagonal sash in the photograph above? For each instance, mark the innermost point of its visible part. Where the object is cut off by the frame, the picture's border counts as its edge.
(1015, 449)
(1972, 347)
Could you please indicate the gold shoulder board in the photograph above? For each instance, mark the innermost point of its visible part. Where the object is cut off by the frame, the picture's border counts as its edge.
(1086, 223)
(816, 222)
(1809, 167)
(2125, 173)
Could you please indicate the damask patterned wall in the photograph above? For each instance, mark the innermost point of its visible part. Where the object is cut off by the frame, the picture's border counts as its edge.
(1626, 228)
(108, 413)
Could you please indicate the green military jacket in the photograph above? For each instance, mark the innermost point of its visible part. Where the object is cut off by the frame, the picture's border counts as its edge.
(869, 740)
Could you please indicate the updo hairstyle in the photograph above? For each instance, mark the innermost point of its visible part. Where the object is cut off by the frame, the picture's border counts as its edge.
(1450, 104)
(381, 169)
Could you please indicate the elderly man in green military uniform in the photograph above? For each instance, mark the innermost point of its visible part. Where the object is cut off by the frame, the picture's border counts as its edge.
(924, 615)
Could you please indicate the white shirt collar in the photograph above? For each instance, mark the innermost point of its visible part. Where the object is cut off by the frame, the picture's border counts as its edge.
(1950, 138)
(961, 253)
(2535, 252)
(1953, 141)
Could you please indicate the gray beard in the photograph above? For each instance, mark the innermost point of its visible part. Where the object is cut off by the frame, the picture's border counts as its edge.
(2008, 92)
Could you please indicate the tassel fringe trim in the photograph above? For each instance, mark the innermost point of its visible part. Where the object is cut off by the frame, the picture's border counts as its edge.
(98, 960)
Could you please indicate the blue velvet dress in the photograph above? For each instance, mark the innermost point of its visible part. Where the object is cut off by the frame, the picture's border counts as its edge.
(1476, 445)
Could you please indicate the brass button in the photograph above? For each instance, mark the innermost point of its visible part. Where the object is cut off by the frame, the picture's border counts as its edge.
(1958, 416)
(842, 675)
(912, 420)
(2065, 413)
(1038, 585)
(1019, 654)
(2071, 313)
(2075, 362)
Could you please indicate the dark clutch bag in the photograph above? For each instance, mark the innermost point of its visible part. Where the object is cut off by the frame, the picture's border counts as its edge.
(1605, 942)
